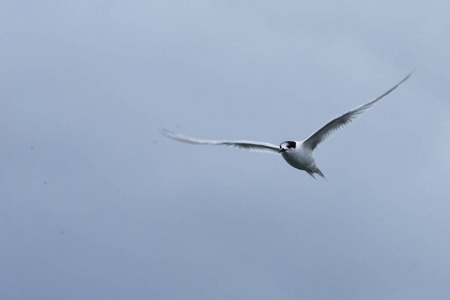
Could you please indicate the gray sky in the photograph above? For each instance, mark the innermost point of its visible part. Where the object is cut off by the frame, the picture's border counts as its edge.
(95, 204)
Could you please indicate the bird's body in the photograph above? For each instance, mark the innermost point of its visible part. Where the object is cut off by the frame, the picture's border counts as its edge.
(299, 154)
(300, 157)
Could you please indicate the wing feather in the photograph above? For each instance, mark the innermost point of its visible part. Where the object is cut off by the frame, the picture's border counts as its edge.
(242, 144)
(337, 123)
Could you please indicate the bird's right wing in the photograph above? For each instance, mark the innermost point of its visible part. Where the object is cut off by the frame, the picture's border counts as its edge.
(337, 123)
(242, 144)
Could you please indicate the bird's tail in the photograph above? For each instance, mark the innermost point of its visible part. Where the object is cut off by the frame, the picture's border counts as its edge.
(311, 174)
(320, 173)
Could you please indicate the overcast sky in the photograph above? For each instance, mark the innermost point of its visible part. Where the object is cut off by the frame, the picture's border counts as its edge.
(96, 204)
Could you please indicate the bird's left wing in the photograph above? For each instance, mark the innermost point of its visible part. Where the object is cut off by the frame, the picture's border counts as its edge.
(331, 127)
(242, 144)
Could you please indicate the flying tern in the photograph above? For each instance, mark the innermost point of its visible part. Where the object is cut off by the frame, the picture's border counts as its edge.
(299, 154)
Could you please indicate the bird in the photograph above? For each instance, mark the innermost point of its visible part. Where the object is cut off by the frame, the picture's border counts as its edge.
(298, 154)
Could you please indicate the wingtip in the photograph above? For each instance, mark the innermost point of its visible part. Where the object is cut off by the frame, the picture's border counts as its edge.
(163, 131)
(409, 75)
(167, 133)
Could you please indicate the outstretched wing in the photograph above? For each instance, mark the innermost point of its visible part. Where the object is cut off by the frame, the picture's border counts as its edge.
(331, 127)
(247, 145)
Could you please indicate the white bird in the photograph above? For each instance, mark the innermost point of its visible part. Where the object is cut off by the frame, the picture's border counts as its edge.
(299, 154)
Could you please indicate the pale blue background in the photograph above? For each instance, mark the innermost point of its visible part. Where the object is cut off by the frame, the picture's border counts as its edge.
(95, 204)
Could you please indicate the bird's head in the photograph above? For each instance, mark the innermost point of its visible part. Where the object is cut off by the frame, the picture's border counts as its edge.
(285, 146)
